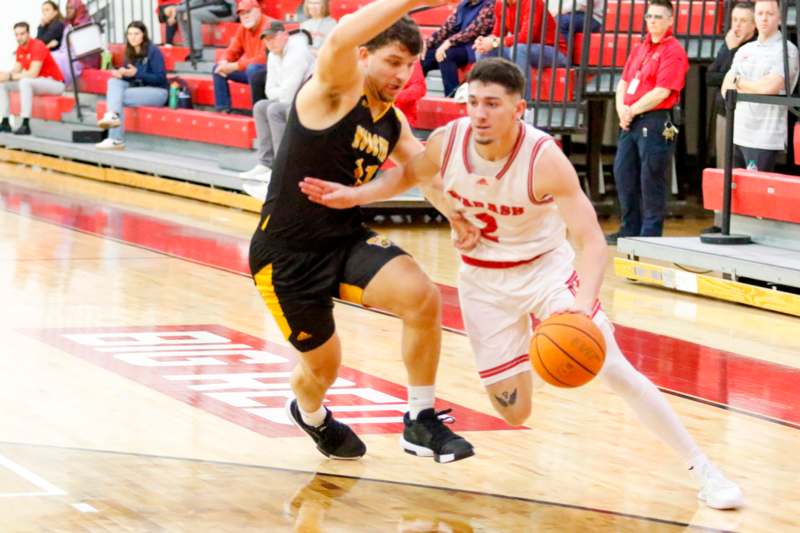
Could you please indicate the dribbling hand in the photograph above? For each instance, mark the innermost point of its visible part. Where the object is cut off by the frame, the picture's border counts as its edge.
(328, 193)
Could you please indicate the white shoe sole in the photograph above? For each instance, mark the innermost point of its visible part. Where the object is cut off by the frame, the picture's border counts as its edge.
(107, 124)
(288, 408)
(112, 147)
(422, 451)
(723, 504)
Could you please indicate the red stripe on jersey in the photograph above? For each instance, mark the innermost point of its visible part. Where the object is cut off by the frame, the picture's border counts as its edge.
(451, 141)
(497, 264)
(514, 151)
(534, 154)
(508, 365)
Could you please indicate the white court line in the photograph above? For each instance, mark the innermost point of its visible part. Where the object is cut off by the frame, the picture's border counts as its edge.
(25, 494)
(84, 507)
(48, 488)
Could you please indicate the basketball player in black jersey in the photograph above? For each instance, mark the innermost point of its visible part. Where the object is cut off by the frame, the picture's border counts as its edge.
(342, 127)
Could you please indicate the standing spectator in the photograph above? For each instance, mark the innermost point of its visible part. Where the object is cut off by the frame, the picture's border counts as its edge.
(204, 12)
(651, 85)
(244, 61)
(142, 81)
(574, 12)
(742, 31)
(759, 130)
(450, 47)
(290, 62)
(549, 46)
(77, 14)
(51, 30)
(318, 23)
(167, 12)
(35, 72)
(414, 89)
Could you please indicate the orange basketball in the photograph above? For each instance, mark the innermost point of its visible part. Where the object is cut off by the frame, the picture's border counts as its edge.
(567, 350)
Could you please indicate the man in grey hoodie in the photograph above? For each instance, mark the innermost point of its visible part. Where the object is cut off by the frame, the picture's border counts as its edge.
(290, 62)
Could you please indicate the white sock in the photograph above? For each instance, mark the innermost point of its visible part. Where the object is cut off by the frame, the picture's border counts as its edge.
(314, 419)
(419, 399)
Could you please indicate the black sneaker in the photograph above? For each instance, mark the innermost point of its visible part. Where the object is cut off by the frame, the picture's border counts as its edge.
(428, 436)
(5, 126)
(24, 129)
(333, 439)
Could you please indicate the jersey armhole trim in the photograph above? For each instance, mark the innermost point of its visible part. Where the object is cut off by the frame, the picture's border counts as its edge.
(535, 153)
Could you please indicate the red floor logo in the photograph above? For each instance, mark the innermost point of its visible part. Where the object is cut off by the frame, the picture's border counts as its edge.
(241, 378)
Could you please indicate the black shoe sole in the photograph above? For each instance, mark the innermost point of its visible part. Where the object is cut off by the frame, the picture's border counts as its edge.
(421, 451)
(288, 408)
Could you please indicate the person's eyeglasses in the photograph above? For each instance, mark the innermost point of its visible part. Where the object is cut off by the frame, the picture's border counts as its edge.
(653, 16)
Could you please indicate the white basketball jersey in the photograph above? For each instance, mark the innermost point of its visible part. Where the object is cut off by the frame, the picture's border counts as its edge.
(498, 196)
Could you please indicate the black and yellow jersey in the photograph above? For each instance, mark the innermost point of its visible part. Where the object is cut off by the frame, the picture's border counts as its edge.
(349, 152)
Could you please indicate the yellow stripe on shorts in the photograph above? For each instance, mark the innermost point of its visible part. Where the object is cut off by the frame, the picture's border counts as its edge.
(264, 285)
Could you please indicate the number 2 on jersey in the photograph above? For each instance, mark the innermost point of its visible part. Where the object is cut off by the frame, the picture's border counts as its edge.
(489, 228)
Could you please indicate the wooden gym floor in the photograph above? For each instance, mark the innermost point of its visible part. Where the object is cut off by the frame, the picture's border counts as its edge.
(142, 383)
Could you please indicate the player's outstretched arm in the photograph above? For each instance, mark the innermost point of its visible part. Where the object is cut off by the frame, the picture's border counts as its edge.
(556, 177)
(337, 63)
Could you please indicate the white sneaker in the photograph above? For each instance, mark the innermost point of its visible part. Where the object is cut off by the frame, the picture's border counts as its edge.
(716, 490)
(110, 144)
(109, 120)
(259, 172)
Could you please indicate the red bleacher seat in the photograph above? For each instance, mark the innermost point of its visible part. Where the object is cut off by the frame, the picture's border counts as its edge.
(563, 87)
(339, 8)
(434, 111)
(434, 16)
(692, 16)
(94, 81)
(172, 55)
(45, 107)
(757, 194)
(189, 125)
(219, 34)
(601, 48)
(796, 143)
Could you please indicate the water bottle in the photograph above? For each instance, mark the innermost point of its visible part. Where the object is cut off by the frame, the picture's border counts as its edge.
(106, 60)
(173, 95)
(751, 164)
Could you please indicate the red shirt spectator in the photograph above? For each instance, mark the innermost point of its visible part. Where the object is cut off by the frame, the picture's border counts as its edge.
(36, 50)
(413, 91)
(246, 47)
(525, 14)
(663, 64)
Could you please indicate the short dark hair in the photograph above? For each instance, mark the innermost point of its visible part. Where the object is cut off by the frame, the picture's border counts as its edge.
(662, 3)
(405, 32)
(500, 71)
(23, 25)
(744, 5)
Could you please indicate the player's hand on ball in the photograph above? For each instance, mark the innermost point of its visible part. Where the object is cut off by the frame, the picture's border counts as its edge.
(466, 235)
(328, 193)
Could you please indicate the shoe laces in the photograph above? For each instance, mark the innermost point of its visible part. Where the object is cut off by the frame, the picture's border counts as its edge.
(440, 433)
(333, 432)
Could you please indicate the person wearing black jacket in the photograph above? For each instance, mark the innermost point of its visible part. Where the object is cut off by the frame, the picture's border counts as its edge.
(742, 31)
(51, 30)
(142, 81)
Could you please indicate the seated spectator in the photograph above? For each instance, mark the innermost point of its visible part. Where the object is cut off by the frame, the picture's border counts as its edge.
(450, 47)
(760, 130)
(51, 30)
(77, 14)
(35, 72)
(290, 62)
(526, 56)
(413, 91)
(244, 60)
(167, 12)
(142, 81)
(318, 22)
(204, 12)
(574, 12)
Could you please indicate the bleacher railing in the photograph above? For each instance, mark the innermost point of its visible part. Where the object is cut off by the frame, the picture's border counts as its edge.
(115, 15)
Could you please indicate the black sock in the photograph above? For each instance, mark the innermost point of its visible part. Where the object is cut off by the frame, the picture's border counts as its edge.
(26, 121)
(5, 122)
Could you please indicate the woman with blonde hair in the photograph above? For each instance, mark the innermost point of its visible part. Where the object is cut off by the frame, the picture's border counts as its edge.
(318, 23)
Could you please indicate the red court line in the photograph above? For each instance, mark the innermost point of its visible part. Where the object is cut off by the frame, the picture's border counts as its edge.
(736, 382)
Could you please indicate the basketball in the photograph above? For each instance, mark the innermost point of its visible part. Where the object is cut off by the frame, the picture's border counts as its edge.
(567, 350)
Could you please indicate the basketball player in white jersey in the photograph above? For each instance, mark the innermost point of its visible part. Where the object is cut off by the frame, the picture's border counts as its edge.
(512, 181)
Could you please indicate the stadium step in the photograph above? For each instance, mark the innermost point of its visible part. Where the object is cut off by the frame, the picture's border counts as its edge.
(190, 125)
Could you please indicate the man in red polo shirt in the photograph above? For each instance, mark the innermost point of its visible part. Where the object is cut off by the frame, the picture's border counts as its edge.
(35, 72)
(651, 85)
